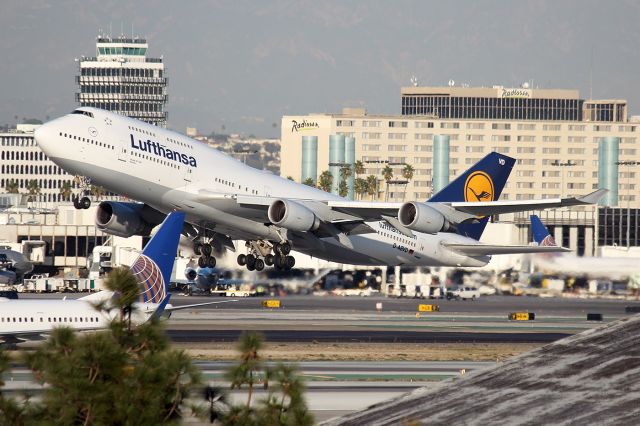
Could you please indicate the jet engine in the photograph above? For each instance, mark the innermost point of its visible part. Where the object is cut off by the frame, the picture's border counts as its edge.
(122, 219)
(293, 216)
(190, 274)
(421, 217)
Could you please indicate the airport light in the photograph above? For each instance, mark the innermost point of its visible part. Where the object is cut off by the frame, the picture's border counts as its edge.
(628, 163)
(557, 163)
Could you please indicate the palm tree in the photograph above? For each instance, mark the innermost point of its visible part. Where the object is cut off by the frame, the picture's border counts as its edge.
(407, 173)
(33, 188)
(66, 191)
(358, 167)
(387, 174)
(360, 187)
(309, 182)
(343, 187)
(246, 372)
(11, 187)
(372, 186)
(325, 181)
(97, 191)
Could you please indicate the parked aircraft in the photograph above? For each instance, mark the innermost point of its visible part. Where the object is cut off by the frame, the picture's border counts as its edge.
(13, 266)
(25, 319)
(225, 200)
(613, 268)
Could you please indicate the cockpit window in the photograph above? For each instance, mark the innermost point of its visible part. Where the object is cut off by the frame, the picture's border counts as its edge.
(79, 111)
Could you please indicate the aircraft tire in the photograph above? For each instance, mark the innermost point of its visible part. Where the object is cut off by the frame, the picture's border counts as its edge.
(76, 203)
(85, 202)
(251, 260)
(285, 248)
(290, 262)
(206, 249)
(202, 262)
(259, 265)
(251, 267)
(279, 261)
(268, 259)
(242, 259)
(211, 262)
(197, 249)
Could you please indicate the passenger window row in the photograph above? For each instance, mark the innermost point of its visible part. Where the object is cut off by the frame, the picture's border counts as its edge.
(51, 319)
(87, 140)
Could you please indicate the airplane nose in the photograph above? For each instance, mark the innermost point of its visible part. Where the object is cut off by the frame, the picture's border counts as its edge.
(44, 137)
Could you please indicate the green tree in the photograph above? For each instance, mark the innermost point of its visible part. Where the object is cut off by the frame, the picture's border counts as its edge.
(11, 187)
(284, 404)
(66, 190)
(122, 376)
(358, 168)
(360, 187)
(372, 186)
(247, 372)
(33, 189)
(97, 191)
(407, 173)
(343, 188)
(309, 182)
(325, 181)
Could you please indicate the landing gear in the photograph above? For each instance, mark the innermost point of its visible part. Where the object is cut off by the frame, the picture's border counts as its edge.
(262, 253)
(204, 251)
(81, 203)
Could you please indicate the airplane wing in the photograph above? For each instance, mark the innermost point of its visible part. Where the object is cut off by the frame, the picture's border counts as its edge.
(455, 211)
(490, 249)
(195, 305)
(345, 212)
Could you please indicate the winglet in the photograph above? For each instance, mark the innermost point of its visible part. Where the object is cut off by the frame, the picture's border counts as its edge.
(153, 266)
(594, 197)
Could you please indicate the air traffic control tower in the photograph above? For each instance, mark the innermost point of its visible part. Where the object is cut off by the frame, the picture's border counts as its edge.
(121, 78)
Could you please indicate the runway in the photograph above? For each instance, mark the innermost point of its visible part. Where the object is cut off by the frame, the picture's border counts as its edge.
(364, 336)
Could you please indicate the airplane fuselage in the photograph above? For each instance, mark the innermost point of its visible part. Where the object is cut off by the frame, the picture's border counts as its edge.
(170, 171)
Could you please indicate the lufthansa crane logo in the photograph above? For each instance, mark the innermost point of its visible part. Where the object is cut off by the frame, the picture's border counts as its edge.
(478, 187)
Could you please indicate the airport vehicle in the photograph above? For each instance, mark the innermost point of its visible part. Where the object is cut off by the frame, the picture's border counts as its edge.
(464, 293)
(226, 200)
(22, 319)
(611, 268)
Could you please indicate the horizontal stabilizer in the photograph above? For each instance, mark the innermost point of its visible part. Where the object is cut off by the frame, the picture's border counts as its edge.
(490, 249)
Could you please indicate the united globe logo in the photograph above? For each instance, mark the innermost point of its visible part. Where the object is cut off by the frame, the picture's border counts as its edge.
(150, 279)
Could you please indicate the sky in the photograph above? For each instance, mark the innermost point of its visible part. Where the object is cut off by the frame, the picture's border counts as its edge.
(239, 66)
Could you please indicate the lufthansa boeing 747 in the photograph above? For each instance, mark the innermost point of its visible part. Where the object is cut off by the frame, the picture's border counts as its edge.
(225, 200)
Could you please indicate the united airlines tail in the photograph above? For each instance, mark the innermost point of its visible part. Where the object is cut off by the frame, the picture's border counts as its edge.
(484, 181)
(540, 232)
(153, 266)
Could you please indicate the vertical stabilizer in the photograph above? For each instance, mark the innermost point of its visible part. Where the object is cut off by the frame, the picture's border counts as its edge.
(153, 266)
(484, 181)
(540, 232)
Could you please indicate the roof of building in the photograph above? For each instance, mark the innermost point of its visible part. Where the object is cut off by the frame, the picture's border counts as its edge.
(589, 378)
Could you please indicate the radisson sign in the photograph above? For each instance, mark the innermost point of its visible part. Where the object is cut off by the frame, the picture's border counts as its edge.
(514, 93)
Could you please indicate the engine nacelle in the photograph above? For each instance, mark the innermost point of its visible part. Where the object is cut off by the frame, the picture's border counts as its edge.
(293, 216)
(422, 218)
(122, 219)
(190, 274)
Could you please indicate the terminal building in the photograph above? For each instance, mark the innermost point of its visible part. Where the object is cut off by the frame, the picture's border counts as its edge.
(121, 78)
(564, 146)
